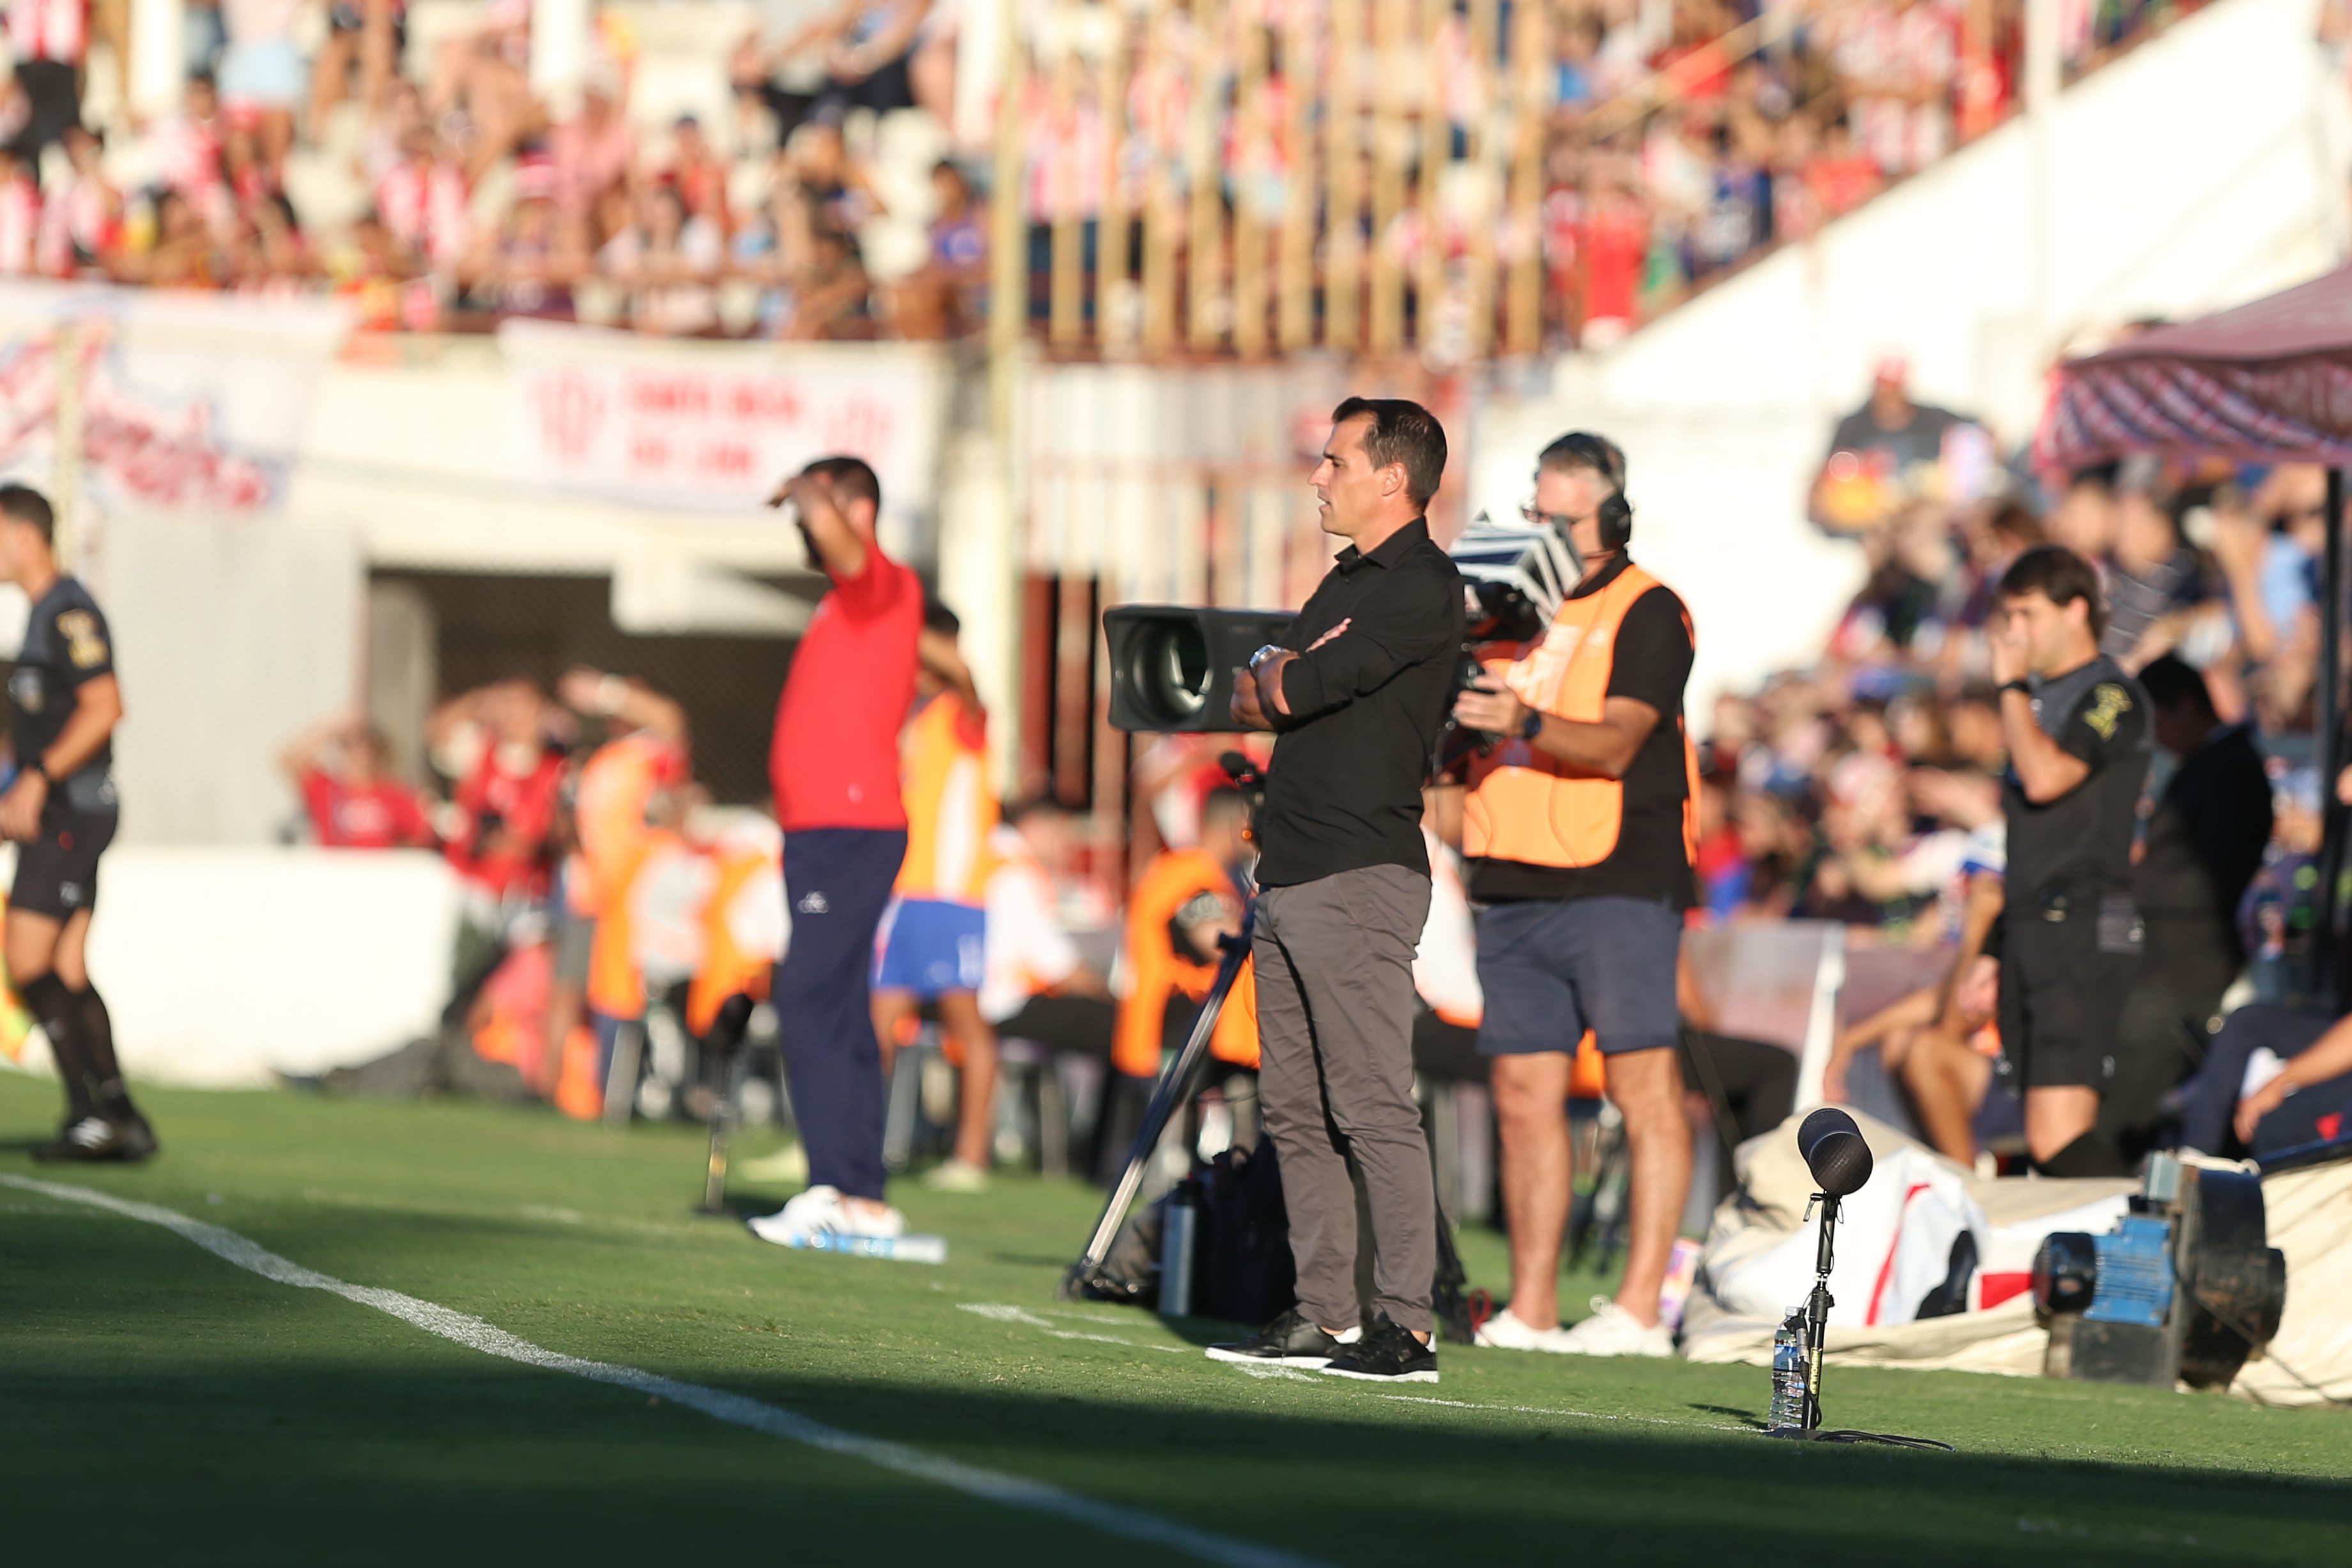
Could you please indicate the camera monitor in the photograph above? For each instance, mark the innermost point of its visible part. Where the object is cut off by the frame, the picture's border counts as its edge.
(1171, 666)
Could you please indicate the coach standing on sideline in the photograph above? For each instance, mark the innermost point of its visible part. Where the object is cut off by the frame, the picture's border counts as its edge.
(1357, 697)
(1578, 828)
(836, 771)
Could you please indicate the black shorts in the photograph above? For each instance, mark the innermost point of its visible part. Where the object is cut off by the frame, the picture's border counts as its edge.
(2067, 965)
(57, 874)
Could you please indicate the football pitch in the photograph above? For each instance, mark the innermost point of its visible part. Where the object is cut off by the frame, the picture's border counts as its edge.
(327, 1331)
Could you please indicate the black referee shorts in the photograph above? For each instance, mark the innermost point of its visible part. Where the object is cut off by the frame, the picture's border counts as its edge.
(2068, 961)
(57, 874)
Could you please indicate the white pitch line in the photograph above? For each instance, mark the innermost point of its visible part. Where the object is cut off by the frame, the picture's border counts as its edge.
(998, 1312)
(474, 1333)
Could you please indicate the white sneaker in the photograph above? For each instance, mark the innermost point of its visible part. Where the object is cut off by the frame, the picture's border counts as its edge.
(1504, 1331)
(820, 1210)
(1612, 1330)
(956, 1176)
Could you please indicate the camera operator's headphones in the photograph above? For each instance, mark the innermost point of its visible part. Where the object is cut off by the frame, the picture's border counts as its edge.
(1582, 449)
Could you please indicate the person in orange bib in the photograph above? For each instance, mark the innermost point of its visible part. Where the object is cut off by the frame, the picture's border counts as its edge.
(1578, 826)
(1184, 901)
(933, 944)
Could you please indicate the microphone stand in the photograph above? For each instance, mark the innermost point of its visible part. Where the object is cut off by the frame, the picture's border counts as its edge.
(1817, 1330)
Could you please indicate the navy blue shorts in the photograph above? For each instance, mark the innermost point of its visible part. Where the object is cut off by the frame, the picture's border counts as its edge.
(1551, 970)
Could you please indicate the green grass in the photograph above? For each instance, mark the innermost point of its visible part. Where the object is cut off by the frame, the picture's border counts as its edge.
(182, 1408)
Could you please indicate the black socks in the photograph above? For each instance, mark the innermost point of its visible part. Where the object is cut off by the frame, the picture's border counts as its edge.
(50, 1001)
(82, 1037)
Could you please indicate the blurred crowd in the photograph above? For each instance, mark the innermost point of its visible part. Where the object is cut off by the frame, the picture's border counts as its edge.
(430, 185)
(1865, 787)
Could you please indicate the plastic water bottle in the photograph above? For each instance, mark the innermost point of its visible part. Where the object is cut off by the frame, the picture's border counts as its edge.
(1789, 1375)
(1180, 1231)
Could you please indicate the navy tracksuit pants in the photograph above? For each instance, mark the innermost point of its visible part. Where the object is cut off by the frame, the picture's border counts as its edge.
(837, 882)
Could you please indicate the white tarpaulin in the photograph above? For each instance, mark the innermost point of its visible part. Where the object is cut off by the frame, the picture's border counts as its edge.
(1759, 1263)
(712, 427)
(188, 402)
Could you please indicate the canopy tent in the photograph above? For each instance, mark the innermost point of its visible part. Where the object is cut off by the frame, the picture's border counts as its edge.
(2269, 382)
(2265, 382)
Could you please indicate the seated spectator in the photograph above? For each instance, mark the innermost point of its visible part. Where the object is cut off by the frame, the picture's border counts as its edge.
(867, 48)
(500, 742)
(591, 151)
(670, 262)
(263, 75)
(423, 200)
(2276, 1078)
(2156, 586)
(184, 253)
(82, 220)
(832, 298)
(947, 297)
(373, 271)
(342, 770)
(531, 266)
(1876, 453)
(699, 175)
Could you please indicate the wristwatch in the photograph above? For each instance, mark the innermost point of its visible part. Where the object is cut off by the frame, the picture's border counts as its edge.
(2024, 686)
(1261, 655)
(1532, 725)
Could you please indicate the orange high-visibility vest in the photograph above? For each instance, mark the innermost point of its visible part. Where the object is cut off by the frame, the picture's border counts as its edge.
(1529, 806)
(951, 810)
(727, 965)
(616, 986)
(1157, 971)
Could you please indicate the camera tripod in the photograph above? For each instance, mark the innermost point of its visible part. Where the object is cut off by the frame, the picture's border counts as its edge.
(1168, 1097)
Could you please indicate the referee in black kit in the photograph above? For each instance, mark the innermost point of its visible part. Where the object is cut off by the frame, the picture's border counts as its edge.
(60, 811)
(2077, 729)
(1357, 695)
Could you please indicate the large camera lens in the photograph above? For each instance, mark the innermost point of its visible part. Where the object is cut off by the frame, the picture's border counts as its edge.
(1169, 670)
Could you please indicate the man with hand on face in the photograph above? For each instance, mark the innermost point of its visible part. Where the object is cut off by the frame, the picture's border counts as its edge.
(2077, 729)
(63, 706)
(1579, 824)
(1357, 692)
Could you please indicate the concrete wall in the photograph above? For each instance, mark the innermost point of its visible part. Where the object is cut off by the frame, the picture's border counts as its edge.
(229, 636)
(222, 966)
(2202, 170)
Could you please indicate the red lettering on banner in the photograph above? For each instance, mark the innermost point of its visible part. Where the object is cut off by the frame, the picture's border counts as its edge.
(570, 413)
(648, 452)
(858, 424)
(726, 460)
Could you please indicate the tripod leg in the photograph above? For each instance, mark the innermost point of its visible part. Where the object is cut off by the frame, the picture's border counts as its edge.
(1167, 1098)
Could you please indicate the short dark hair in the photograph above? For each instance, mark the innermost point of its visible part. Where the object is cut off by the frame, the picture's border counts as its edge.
(1583, 450)
(1402, 432)
(2060, 576)
(851, 478)
(938, 618)
(1222, 801)
(2172, 680)
(23, 503)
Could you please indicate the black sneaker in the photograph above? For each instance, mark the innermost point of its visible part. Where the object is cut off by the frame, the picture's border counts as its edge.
(90, 1137)
(97, 1137)
(1289, 1340)
(1386, 1355)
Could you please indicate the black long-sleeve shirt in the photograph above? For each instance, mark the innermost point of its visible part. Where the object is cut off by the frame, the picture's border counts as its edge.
(1343, 791)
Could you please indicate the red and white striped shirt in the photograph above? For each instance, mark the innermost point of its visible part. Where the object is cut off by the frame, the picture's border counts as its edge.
(49, 29)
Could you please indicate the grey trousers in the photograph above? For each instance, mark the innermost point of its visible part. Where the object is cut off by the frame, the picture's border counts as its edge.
(1335, 1082)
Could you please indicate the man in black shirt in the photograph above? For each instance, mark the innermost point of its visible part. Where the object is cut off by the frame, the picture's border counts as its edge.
(1357, 692)
(60, 810)
(2203, 843)
(1578, 827)
(2077, 729)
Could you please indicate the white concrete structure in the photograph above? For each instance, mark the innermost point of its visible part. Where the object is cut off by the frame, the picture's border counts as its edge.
(2202, 170)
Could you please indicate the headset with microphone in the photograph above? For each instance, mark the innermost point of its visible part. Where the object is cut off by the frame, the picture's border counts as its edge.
(1580, 448)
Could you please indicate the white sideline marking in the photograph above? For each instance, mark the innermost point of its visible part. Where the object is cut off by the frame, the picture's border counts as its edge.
(997, 1312)
(474, 1333)
(1577, 1414)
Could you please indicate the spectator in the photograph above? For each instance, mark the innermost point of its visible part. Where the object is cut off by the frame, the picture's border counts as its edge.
(262, 74)
(82, 220)
(50, 42)
(342, 769)
(2276, 1079)
(2202, 847)
(1876, 452)
(499, 742)
(1038, 987)
(2156, 584)
(947, 298)
(20, 218)
(669, 263)
(423, 202)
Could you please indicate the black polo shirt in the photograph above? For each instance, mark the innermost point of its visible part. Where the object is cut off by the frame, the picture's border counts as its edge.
(1343, 791)
(2081, 841)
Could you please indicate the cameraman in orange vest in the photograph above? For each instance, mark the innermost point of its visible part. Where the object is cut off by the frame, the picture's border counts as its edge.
(1578, 825)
